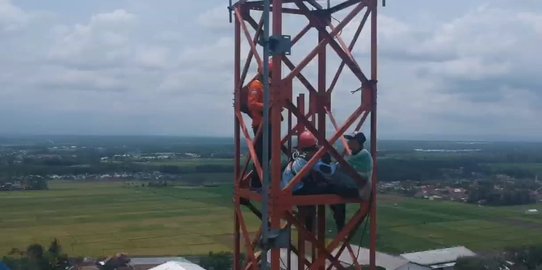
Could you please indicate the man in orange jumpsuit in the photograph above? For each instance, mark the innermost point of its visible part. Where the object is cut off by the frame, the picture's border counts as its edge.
(255, 107)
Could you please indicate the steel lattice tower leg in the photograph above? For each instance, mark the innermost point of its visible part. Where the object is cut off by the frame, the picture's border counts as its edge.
(282, 206)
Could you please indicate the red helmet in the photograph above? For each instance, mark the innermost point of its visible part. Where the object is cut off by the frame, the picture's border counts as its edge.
(306, 140)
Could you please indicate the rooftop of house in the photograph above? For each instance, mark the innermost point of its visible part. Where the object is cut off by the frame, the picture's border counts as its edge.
(438, 256)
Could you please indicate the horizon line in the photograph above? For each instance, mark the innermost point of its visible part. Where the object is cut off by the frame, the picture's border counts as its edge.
(451, 138)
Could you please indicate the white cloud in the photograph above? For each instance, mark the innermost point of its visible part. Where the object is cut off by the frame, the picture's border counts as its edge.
(11, 17)
(104, 40)
(153, 57)
(214, 56)
(489, 44)
(215, 19)
(475, 75)
(531, 19)
(469, 67)
(118, 17)
(145, 68)
(74, 79)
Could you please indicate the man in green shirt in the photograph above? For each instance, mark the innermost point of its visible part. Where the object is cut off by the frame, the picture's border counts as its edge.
(361, 160)
(342, 183)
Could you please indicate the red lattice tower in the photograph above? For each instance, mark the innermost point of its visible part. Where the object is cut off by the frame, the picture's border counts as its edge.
(282, 204)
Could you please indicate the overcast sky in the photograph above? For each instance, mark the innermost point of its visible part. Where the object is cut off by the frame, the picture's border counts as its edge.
(460, 69)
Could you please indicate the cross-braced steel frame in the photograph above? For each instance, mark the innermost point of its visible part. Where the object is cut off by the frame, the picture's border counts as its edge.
(281, 203)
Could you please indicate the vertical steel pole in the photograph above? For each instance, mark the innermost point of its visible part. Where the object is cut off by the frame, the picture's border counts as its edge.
(374, 77)
(300, 236)
(237, 87)
(322, 131)
(266, 141)
(276, 109)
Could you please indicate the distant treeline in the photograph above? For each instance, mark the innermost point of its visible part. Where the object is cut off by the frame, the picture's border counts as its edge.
(423, 169)
(390, 169)
(397, 169)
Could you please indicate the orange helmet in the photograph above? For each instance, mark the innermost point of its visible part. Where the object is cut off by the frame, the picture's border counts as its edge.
(306, 140)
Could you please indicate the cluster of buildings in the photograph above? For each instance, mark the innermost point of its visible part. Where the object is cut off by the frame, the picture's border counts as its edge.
(18, 156)
(144, 157)
(440, 191)
(138, 157)
(446, 193)
(155, 175)
(425, 191)
(17, 182)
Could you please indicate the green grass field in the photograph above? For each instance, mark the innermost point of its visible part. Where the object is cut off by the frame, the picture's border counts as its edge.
(96, 219)
(412, 224)
(206, 178)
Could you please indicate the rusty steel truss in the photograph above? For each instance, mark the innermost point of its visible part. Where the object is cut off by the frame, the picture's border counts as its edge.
(324, 250)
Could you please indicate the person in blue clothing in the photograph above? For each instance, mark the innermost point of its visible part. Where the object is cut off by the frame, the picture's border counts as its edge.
(3, 266)
(311, 184)
(307, 146)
